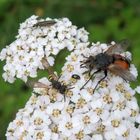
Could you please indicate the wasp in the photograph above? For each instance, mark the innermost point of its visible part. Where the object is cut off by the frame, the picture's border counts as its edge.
(56, 84)
(111, 61)
(62, 88)
(45, 23)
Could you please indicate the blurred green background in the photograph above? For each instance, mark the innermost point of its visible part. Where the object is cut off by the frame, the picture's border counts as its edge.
(105, 20)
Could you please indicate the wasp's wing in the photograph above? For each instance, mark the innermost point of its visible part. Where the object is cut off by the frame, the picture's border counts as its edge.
(49, 69)
(125, 74)
(45, 23)
(118, 47)
(40, 85)
(35, 84)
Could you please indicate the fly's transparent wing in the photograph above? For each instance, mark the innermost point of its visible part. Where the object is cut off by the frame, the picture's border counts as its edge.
(124, 73)
(118, 47)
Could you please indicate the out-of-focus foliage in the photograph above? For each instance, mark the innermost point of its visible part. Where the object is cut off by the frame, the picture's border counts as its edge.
(105, 20)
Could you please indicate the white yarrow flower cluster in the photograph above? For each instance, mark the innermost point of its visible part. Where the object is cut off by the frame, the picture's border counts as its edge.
(34, 43)
(110, 112)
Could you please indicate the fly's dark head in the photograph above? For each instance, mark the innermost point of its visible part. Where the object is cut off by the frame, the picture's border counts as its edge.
(89, 62)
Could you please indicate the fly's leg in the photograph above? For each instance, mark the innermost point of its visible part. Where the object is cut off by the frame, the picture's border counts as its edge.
(90, 78)
(105, 75)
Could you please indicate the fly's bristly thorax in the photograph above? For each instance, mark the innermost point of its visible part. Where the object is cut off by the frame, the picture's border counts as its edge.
(103, 60)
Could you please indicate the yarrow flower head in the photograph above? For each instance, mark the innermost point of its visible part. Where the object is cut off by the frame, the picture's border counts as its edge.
(68, 109)
(36, 42)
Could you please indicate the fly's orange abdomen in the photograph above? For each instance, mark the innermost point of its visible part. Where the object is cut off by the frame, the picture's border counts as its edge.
(123, 64)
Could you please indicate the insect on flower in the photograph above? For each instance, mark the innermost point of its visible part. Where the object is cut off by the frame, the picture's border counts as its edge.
(44, 23)
(56, 84)
(62, 88)
(75, 76)
(110, 60)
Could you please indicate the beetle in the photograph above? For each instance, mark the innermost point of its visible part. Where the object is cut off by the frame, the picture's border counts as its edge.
(75, 76)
